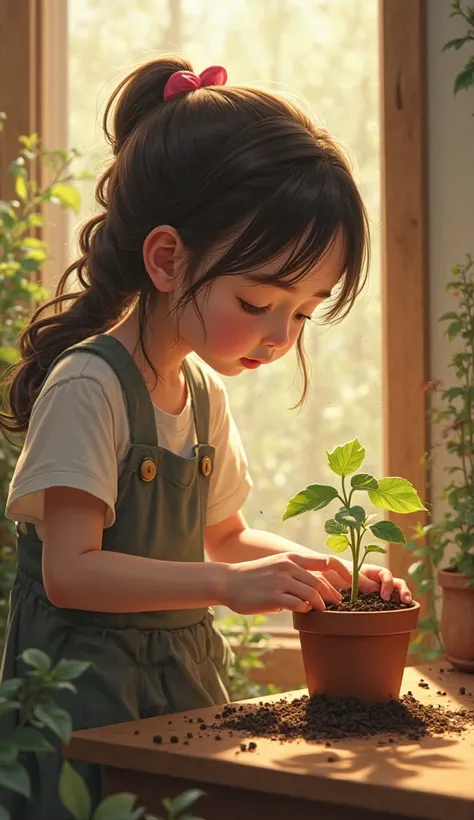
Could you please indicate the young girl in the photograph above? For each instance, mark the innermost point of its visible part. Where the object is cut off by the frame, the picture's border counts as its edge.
(226, 218)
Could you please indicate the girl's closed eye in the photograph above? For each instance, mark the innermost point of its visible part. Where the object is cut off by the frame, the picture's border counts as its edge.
(255, 310)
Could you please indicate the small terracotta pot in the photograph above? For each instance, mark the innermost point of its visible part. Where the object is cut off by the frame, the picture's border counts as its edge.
(457, 619)
(356, 654)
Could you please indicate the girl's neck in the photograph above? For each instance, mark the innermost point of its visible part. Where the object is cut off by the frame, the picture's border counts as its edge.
(168, 391)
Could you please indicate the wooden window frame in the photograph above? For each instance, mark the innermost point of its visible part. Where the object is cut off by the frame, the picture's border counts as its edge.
(35, 103)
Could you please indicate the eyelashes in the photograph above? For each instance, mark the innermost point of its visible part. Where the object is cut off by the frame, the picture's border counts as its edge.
(254, 310)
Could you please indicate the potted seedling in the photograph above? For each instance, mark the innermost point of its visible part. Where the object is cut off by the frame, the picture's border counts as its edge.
(357, 648)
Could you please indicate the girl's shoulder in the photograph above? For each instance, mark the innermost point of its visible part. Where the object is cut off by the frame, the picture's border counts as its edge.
(80, 366)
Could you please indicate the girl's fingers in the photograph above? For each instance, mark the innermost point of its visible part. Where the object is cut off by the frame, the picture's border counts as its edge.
(319, 590)
(293, 604)
(403, 591)
(367, 584)
(386, 584)
(341, 568)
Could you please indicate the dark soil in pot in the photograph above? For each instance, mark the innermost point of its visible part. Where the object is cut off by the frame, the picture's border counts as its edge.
(367, 602)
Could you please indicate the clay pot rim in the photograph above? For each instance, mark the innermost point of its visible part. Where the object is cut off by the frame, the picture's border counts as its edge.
(366, 623)
(449, 579)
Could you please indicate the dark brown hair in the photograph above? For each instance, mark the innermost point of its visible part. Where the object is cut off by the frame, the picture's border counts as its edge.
(215, 163)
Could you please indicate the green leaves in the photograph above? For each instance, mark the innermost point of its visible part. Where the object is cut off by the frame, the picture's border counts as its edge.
(374, 548)
(351, 517)
(388, 531)
(465, 79)
(334, 527)
(338, 543)
(396, 495)
(37, 659)
(73, 793)
(347, 458)
(364, 481)
(184, 801)
(69, 670)
(67, 195)
(314, 497)
(57, 719)
(15, 777)
(118, 807)
(27, 739)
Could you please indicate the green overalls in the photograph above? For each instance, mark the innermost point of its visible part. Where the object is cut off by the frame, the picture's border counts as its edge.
(145, 663)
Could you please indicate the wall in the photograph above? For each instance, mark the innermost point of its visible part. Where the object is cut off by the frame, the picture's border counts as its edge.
(451, 187)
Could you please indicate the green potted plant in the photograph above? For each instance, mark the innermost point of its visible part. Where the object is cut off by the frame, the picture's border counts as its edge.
(446, 548)
(357, 648)
(452, 538)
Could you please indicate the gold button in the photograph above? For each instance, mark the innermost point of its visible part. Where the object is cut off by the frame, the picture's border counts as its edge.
(148, 469)
(206, 466)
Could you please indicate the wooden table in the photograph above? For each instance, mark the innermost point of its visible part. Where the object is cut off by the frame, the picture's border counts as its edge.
(432, 778)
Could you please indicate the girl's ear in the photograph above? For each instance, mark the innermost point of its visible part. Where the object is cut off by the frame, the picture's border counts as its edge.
(163, 253)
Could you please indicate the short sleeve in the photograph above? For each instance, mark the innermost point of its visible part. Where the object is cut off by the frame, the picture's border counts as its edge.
(230, 480)
(70, 443)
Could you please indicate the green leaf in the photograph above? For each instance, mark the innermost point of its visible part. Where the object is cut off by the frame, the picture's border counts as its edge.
(453, 330)
(8, 706)
(15, 778)
(429, 624)
(352, 517)
(21, 188)
(8, 752)
(374, 548)
(4, 814)
(314, 497)
(68, 196)
(388, 531)
(347, 458)
(449, 316)
(182, 802)
(457, 43)
(69, 670)
(116, 806)
(38, 659)
(334, 527)
(338, 543)
(465, 78)
(73, 792)
(397, 495)
(364, 481)
(10, 686)
(30, 740)
(57, 719)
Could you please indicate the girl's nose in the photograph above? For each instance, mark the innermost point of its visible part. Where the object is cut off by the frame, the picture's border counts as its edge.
(278, 336)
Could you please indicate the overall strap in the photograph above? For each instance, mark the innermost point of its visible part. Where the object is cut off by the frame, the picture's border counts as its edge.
(139, 405)
(200, 398)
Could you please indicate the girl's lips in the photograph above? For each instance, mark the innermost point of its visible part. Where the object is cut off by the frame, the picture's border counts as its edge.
(251, 364)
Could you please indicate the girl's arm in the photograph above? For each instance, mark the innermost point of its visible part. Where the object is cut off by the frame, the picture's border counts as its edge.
(78, 574)
(232, 541)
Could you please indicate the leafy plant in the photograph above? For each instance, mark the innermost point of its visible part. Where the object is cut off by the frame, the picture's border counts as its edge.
(23, 254)
(427, 548)
(33, 698)
(351, 522)
(465, 79)
(249, 646)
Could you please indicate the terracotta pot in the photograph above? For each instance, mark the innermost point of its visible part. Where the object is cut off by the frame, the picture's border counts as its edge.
(356, 654)
(457, 619)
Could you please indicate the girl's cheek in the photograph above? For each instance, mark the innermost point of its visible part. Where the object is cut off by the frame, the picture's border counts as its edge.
(230, 331)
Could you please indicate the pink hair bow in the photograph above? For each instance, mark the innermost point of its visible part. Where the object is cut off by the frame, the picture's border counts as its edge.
(183, 81)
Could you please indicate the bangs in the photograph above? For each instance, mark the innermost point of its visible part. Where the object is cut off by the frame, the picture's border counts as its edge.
(304, 216)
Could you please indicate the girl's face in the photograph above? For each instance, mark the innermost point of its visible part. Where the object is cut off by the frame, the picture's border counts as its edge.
(248, 323)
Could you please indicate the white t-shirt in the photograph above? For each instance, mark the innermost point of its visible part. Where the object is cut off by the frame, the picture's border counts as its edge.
(79, 437)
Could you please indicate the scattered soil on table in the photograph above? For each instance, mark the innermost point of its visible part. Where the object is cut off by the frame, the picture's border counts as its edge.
(367, 602)
(321, 718)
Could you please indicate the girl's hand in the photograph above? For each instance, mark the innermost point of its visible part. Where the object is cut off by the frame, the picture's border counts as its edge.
(284, 581)
(373, 578)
